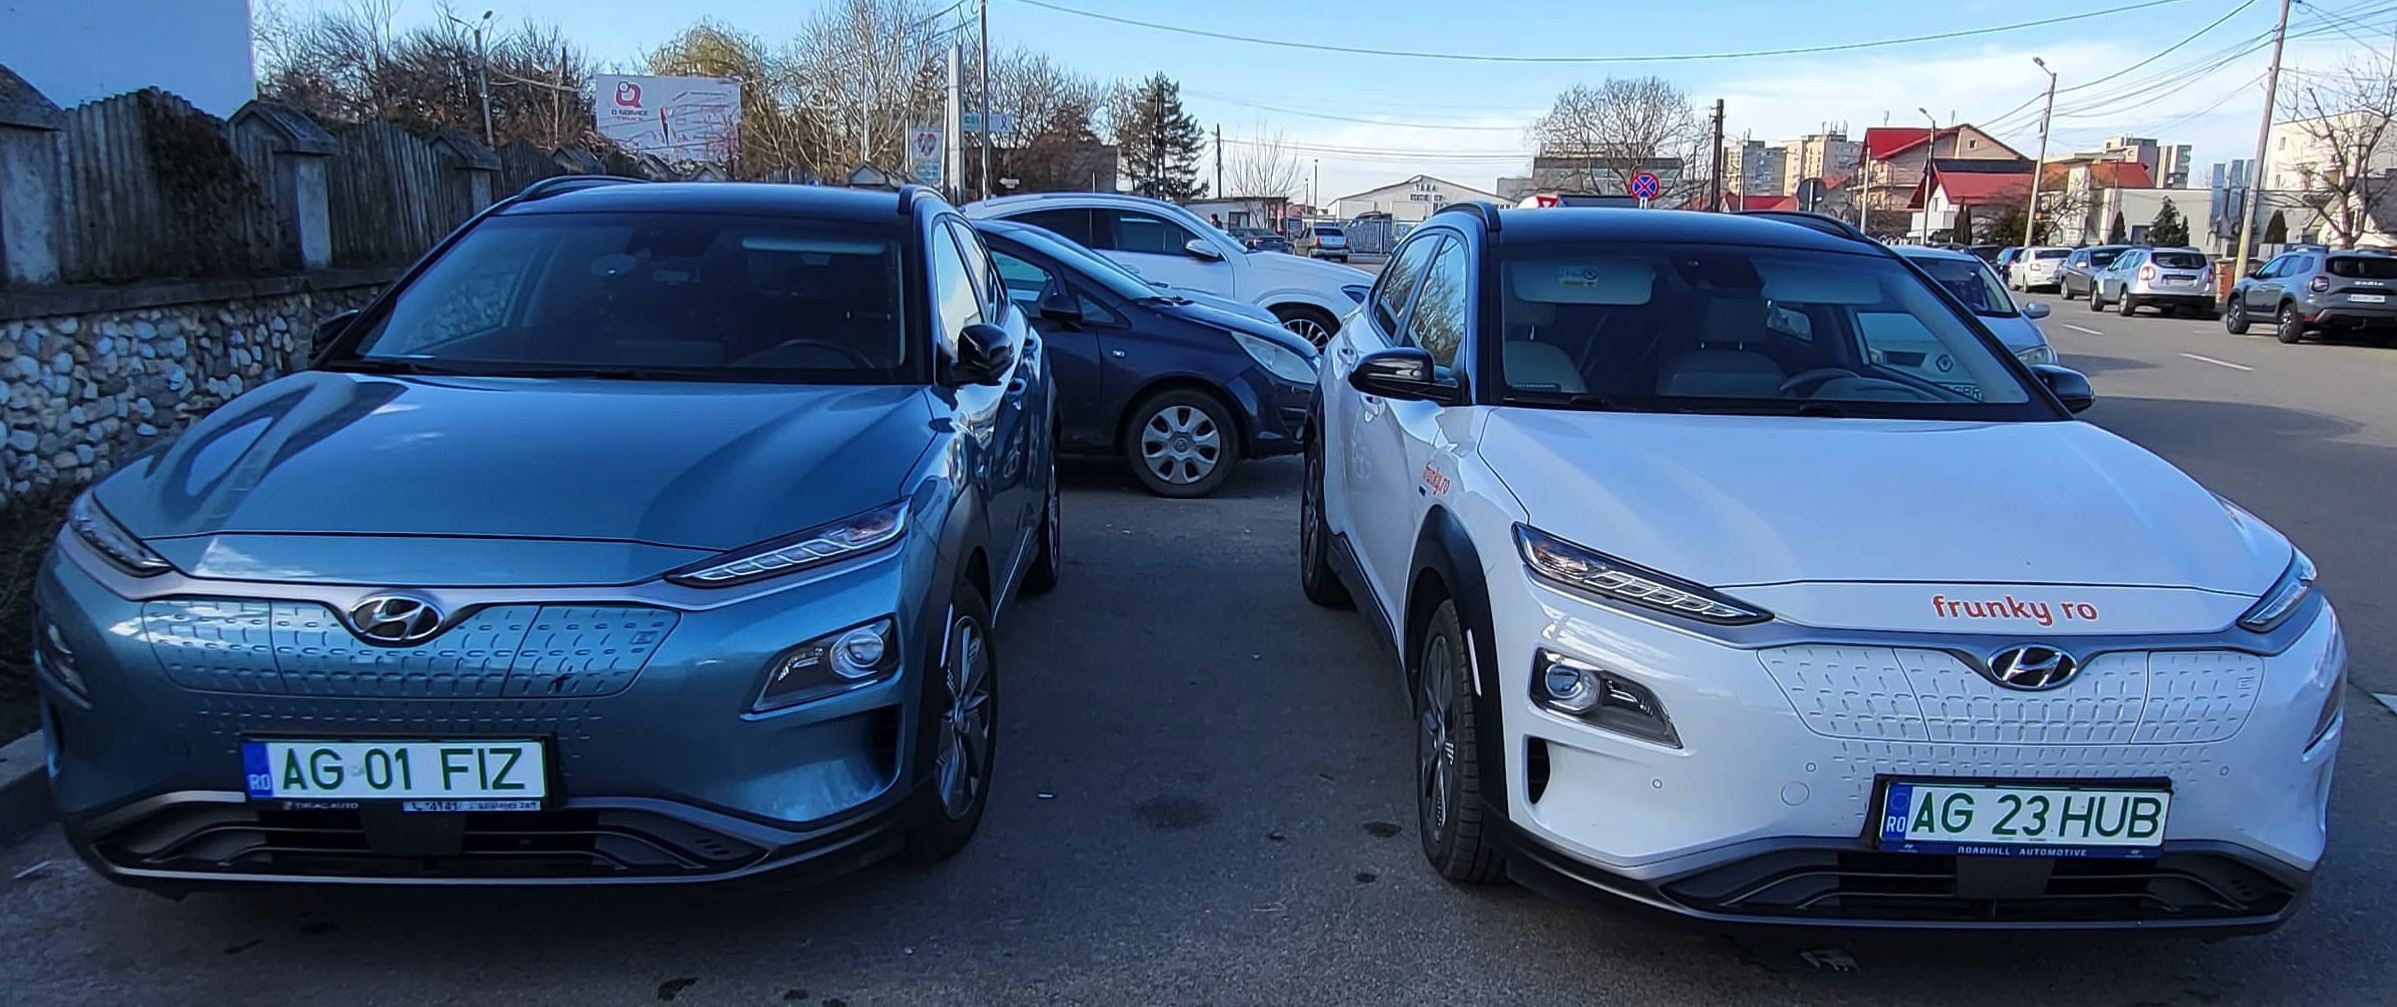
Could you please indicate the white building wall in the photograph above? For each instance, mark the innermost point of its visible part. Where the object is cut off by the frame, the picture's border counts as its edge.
(1412, 200)
(76, 51)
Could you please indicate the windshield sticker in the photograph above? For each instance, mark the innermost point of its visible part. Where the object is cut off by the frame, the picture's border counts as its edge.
(2007, 607)
(1569, 275)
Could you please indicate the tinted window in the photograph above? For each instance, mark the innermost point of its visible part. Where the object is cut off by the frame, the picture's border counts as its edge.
(1025, 281)
(1399, 280)
(1438, 322)
(977, 262)
(1073, 225)
(1148, 233)
(2368, 267)
(1107, 272)
(1972, 284)
(2051, 253)
(1327, 232)
(702, 296)
(2103, 256)
(2180, 260)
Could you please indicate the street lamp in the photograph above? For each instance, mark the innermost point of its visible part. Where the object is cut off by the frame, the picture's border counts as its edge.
(482, 69)
(2039, 167)
(1930, 147)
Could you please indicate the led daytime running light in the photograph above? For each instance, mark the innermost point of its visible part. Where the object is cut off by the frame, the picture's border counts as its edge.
(841, 539)
(1576, 567)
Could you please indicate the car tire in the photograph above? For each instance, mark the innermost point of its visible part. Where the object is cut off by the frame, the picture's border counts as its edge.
(2129, 306)
(2064, 290)
(2234, 317)
(2097, 303)
(1450, 814)
(1312, 324)
(1181, 443)
(1316, 576)
(2289, 326)
(1041, 576)
(964, 663)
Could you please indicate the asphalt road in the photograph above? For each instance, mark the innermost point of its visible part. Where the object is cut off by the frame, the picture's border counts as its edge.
(1203, 798)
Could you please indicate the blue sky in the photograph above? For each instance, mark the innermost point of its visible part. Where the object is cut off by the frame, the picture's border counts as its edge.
(1464, 120)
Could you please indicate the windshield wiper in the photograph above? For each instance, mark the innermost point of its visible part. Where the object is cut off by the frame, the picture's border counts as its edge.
(1805, 407)
(392, 365)
(1568, 400)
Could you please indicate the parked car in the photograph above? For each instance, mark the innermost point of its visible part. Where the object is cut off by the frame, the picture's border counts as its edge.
(1261, 239)
(2004, 262)
(1164, 242)
(1181, 391)
(2035, 267)
(640, 533)
(2169, 280)
(2318, 289)
(2078, 277)
(1985, 253)
(1686, 619)
(1322, 241)
(1971, 280)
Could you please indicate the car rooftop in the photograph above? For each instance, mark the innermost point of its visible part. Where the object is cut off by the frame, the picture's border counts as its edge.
(1585, 223)
(870, 205)
(1927, 252)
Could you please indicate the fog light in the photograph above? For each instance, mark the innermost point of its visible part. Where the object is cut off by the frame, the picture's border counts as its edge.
(830, 665)
(1601, 698)
(52, 655)
(859, 652)
(1570, 688)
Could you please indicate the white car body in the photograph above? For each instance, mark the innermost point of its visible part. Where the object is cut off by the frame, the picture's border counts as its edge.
(1895, 560)
(1308, 296)
(2038, 266)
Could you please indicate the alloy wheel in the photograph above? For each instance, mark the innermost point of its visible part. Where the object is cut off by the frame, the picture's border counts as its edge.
(1308, 329)
(1181, 444)
(1438, 773)
(964, 761)
(1310, 505)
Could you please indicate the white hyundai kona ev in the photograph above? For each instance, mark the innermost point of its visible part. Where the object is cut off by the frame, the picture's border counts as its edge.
(1736, 569)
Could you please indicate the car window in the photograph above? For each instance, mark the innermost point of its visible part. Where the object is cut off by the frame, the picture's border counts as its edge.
(2272, 269)
(1107, 272)
(977, 261)
(2364, 267)
(1073, 224)
(2051, 253)
(2102, 257)
(1972, 283)
(1328, 232)
(1707, 327)
(683, 295)
(2180, 260)
(1437, 322)
(1148, 233)
(1025, 282)
(955, 301)
(1398, 282)
(2126, 260)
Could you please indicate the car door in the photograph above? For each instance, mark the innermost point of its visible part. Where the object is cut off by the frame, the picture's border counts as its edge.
(990, 416)
(2117, 280)
(1151, 243)
(1351, 419)
(2262, 292)
(1416, 453)
(1072, 347)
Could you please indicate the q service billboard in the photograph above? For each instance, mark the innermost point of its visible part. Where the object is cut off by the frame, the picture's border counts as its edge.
(675, 118)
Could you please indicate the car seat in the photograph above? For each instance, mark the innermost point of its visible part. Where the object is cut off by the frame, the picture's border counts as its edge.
(1721, 365)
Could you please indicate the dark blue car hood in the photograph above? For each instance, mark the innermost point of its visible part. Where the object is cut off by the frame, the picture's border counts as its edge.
(1237, 322)
(695, 465)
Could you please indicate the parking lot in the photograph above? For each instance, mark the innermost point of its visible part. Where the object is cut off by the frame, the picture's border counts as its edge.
(1203, 797)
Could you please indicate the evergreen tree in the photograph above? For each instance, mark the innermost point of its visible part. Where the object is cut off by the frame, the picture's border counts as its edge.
(1161, 142)
(2007, 228)
(1964, 226)
(2118, 234)
(2170, 229)
(2276, 230)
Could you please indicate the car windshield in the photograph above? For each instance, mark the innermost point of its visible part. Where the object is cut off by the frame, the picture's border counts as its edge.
(2179, 260)
(1718, 328)
(1115, 277)
(2102, 256)
(2363, 267)
(683, 296)
(1972, 283)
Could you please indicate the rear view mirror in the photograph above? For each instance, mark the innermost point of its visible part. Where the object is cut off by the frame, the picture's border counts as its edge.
(1407, 373)
(2038, 310)
(983, 354)
(2070, 386)
(1198, 248)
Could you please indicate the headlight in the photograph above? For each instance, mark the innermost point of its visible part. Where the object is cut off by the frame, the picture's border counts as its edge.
(2040, 354)
(830, 664)
(1278, 359)
(101, 532)
(1576, 567)
(2282, 600)
(841, 539)
(1356, 292)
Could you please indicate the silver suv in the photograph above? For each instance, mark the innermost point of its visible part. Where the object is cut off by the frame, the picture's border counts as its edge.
(2310, 288)
(2167, 279)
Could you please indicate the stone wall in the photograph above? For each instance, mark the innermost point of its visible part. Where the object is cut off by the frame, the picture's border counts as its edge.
(90, 377)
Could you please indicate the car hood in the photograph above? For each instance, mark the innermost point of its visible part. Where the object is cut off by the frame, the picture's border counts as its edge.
(1729, 501)
(1224, 304)
(2018, 332)
(1311, 271)
(1266, 328)
(690, 465)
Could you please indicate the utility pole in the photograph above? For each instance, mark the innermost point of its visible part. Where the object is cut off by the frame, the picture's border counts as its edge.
(986, 111)
(1219, 193)
(1714, 196)
(2039, 167)
(1315, 189)
(954, 124)
(2255, 186)
(482, 71)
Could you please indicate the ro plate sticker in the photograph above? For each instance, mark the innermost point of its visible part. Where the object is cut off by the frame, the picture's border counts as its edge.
(1895, 813)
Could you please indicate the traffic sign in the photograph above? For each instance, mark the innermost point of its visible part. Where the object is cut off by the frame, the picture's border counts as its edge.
(1000, 122)
(924, 152)
(1645, 185)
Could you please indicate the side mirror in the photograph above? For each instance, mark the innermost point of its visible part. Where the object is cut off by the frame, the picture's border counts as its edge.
(983, 354)
(1060, 306)
(2037, 310)
(2069, 385)
(1200, 249)
(330, 329)
(1406, 373)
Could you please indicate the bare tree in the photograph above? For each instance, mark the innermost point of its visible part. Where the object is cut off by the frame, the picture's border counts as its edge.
(1622, 127)
(780, 135)
(353, 63)
(1263, 166)
(1051, 140)
(2345, 167)
(871, 68)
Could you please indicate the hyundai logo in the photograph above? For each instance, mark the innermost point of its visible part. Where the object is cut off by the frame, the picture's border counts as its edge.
(395, 620)
(2032, 668)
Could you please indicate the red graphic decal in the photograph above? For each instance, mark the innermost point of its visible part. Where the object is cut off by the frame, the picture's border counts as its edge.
(2008, 608)
(628, 94)
(1433, 479)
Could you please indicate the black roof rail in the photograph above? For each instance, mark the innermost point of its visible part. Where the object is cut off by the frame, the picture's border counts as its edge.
(1821, 222)
(555, 184)
(910, 192)
(1486, 210)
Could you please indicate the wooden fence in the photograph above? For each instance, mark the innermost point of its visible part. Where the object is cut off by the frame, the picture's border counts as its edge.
(390, 194)
(154, 187)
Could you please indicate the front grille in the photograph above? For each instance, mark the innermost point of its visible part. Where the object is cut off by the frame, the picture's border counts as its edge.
(1833, 885)
(252, 840)
(1916, 695)
(500, 652)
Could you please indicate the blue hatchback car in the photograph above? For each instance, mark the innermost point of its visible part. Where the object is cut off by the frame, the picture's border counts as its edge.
(641, 533)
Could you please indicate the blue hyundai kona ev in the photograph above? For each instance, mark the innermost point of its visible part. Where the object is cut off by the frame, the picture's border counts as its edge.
(640, 533)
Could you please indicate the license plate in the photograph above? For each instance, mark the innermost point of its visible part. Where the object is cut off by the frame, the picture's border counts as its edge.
(482, 775)
(2368, 298)
(2023, 820)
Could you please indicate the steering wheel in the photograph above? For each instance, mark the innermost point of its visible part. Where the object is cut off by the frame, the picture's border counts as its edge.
(855, 358)
(1817, 374)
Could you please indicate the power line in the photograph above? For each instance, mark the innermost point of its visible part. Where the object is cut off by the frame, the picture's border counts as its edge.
(1369, 122)
(1672, 58)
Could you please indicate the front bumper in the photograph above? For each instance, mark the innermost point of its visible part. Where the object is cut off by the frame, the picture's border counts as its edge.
(1278, 411)
(1762, 814)
(659, 772)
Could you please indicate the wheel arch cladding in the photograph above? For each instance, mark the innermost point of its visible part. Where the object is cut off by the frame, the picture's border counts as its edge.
(1185, 383)
(1446, 559)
